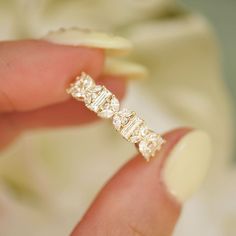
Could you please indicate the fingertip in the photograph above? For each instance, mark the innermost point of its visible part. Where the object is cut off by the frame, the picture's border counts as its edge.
(35, 73)
(136, 198)
(66, 113)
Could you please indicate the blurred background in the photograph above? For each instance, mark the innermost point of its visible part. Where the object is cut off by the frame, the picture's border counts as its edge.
(188, 48)
(221, 14)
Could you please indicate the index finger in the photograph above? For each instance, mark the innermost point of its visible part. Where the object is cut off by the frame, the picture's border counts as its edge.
(35, 73)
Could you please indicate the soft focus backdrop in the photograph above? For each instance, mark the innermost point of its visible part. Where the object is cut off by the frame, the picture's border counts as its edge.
(46, 184)
(221, 14)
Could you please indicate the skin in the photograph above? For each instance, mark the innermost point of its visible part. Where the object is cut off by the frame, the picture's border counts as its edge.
(33, 78)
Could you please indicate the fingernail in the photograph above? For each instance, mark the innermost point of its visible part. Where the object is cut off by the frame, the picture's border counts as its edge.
(88, 38)
(187, 165)
(127, 69)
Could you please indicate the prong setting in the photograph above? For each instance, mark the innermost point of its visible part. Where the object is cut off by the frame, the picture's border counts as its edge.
(100, 100)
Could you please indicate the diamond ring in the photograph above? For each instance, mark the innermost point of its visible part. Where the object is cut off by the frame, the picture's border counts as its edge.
(100, 100)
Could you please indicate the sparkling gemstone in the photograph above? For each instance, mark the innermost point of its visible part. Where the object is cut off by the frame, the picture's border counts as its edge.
(95, 90)
(109, 108)
(121, 118)
(144, 130)
(116, 122)
(135, 138)
(99, 96)
(150, 143)
(138, 133)
(85, 81)
(79, 89)
(131, 126)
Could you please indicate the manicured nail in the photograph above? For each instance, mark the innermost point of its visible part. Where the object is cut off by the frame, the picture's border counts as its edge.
(124, 68)
(88, 38)
(187, 165)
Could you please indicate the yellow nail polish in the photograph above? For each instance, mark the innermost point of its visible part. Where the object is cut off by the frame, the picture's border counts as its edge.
(124, 68)
(187, 165)
(114, 45)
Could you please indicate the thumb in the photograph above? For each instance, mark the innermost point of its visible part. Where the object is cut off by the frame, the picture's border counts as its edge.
(146, 198)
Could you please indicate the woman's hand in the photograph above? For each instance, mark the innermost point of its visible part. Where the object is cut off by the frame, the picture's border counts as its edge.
(33, 78)
(142, 198)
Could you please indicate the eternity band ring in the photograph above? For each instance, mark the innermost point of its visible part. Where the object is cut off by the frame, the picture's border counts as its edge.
(100, 100)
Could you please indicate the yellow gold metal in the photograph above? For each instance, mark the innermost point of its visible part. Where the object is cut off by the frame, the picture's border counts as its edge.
(105, 104)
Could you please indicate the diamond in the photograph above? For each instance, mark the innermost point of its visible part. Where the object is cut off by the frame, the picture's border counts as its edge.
(100, 100)
(116, 122)
(127, 122)
(131, 126)
(121, 118)
(150, 143)
(144, 130)
(99, 96)
(135, 138)
(138, 134)
(109, 108)
(81, 86)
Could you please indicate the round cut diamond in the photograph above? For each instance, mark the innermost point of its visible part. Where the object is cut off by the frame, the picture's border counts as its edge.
(100, 100)
(121, 118)
(84, 81)
(150, 143)
(116, 122)
(79, 89)
(109, 108)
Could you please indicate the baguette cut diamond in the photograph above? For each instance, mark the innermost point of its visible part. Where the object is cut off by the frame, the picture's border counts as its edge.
(131, 126)
(100, 99)
(121, 118)
(105, 104)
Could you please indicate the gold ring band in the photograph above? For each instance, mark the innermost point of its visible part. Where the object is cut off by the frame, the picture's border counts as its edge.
(100, 100)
